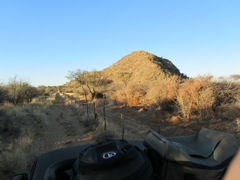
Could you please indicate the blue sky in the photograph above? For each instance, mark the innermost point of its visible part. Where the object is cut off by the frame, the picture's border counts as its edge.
(41, 41)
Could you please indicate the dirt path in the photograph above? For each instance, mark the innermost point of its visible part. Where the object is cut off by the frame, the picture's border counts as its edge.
(64, 128)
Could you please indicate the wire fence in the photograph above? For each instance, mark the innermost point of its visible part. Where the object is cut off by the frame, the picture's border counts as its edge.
(120, 125)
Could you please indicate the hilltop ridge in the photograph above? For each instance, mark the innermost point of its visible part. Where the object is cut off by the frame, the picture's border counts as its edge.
(143, 66)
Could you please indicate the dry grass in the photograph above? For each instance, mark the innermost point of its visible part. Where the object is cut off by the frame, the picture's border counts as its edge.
(19, 156)
(18, 117)
(21, 127)
(140, 79)
(143, 79)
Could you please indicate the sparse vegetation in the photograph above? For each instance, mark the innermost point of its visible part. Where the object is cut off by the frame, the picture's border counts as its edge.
(19, 156)
(21, 127)
(150, 89)
(125, 77)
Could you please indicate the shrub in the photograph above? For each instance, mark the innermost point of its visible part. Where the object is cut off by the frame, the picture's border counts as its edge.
(135, 94)
(226, 92)
(23, 123)
(164, 93)
(15, 118)
(6, 124)
(3, 94)
(19, 92)
(120, 97)
(20, 157)
(12, 161)
(196, 96)
(227, 95)
(228, 112)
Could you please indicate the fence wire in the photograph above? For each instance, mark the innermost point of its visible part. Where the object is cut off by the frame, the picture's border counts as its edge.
(121, 126)
(105, 124)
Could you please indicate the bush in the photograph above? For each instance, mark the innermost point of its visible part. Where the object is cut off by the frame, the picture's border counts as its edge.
(195, 96)
(3, 94)
(120, 97)
(19, 92)
(20, 157)
(6, 124)
(12, 161)
(227, 95)
(132, 95)
(23, 123)
(226, 92)
(164, 93)
(228, 112)
(15, 118)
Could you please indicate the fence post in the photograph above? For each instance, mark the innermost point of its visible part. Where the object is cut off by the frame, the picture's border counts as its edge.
(104, 118)
(87, 108)
(83, 108)
(122, 121)
(95, 113)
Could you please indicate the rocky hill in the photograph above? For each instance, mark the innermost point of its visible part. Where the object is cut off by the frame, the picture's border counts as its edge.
(139, 74)
(142, 67)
